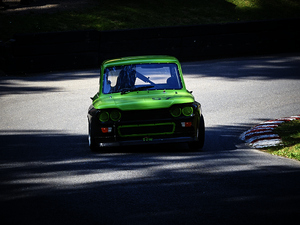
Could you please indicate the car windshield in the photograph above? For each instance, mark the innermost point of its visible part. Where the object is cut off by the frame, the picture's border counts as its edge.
(156, 76)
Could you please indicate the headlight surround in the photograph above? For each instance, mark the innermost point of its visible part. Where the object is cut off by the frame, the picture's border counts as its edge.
(175, 111)
(109, 114)
(104, 116)
(187, 111)
(115, 115)
(184, 110)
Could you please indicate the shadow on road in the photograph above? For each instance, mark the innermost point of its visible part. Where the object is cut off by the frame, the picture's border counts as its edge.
(261, 68)
(12, 84)
(49, 177)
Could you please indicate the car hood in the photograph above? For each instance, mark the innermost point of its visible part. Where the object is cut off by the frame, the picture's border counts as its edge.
(143, 100)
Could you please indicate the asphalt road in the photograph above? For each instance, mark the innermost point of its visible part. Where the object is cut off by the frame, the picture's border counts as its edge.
(49, 176)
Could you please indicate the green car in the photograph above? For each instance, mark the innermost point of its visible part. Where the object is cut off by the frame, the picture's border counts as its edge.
(143, 100)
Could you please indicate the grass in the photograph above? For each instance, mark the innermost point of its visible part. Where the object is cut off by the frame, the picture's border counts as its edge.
(290, 135)
(119, 14)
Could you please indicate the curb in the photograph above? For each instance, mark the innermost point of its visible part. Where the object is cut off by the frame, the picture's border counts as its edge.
(262, 136)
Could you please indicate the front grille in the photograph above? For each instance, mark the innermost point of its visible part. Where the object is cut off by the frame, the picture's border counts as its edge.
(146, 129)
(142, 115)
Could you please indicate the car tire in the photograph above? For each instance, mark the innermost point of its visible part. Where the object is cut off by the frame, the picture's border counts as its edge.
(195, 145)
(91, 139)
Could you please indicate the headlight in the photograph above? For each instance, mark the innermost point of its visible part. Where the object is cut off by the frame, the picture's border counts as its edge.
(175, 111)
(104, 116)
(115, 115)
(187, 111)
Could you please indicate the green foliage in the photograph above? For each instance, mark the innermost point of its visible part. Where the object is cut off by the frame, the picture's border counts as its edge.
(289, 132)
(117, 14)
(290, 135)
(289, 152)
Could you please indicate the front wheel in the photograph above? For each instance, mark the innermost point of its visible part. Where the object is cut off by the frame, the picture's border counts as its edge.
(91, 139)
(200, 136)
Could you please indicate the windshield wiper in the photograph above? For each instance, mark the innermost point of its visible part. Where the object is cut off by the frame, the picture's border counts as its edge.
(127, 90)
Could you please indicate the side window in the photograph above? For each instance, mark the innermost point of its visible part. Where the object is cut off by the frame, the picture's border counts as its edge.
(106, 82)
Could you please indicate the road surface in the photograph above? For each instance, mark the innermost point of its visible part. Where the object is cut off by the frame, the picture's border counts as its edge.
(49, 176)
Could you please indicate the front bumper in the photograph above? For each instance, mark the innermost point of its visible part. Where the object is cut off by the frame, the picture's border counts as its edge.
(144, 127)
(144, 134)
(146, 141)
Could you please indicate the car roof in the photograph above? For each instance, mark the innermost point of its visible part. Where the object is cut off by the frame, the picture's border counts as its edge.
(140, 60)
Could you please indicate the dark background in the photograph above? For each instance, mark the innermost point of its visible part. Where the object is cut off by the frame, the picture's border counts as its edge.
(44, 52)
